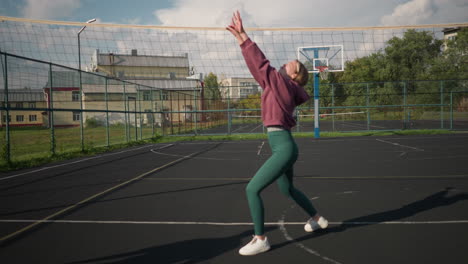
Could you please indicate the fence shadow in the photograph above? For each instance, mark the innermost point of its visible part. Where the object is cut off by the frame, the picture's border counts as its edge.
(189, 251)
(439, 199)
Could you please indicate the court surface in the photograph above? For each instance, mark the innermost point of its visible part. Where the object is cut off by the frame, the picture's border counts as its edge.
(395, 199)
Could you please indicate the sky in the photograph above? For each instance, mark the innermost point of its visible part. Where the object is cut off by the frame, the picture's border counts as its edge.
(256, 13)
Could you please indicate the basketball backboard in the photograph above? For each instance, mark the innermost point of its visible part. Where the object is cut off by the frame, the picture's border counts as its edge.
(314, 57)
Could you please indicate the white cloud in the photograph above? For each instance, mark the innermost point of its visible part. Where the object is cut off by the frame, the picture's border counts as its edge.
(276, 13)
(428, 12)
(313, 13)
(49, 9)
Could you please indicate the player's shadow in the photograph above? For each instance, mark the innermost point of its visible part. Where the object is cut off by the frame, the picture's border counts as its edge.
(435, 200)
(199, 250)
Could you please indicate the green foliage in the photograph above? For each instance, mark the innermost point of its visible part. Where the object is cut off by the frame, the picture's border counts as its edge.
(211, 86)
(453, 64)
(252, 101)
(417, 55)
(411, 57)
(93, 123)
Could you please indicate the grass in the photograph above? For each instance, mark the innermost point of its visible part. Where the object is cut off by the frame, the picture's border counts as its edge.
(36, 153)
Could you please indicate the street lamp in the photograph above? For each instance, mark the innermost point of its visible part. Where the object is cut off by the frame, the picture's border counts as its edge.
(81, 87)
(79, 47)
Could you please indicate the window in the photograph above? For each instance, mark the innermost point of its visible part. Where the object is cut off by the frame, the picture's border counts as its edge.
(75, 96)
(32, 104)
(164, 95)
(19, 118)
(76, 116)
(9, 118)
(19, 105)
(146, 96)
(32, 118)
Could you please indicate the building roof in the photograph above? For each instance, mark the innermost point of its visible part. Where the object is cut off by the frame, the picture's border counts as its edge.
(23, 95)
(110, 59)
(170, 84)
(451, 30)
(158, 84)
(93, 83)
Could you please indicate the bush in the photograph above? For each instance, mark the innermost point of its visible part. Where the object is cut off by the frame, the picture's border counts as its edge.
(93, 123)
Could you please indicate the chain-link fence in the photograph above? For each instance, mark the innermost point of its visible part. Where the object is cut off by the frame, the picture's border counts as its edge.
(51, 109)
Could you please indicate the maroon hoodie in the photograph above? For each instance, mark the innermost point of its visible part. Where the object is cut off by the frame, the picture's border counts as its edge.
(280, 95)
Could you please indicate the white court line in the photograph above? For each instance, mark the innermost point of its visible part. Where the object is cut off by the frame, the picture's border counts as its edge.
(178, 156)
(260, 148)
(279, 223)
(400, 145)
(74, 162)
(71, 207)
(255, 128)
(345, 123)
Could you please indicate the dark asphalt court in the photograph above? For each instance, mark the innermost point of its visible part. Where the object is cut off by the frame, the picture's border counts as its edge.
(396, 199)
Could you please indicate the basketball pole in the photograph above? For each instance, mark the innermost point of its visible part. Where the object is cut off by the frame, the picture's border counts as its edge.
(316, 99)
(316, 104)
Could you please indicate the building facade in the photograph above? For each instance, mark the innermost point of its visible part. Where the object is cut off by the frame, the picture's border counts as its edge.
(25, 108)
(236, 88)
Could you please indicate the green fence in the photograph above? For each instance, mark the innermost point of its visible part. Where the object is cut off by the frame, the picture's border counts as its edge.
(51, 109)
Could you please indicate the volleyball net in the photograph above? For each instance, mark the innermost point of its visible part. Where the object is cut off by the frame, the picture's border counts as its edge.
(139, 81)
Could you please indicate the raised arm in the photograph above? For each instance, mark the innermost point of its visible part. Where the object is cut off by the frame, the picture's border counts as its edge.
(237, 29)
(256, 61)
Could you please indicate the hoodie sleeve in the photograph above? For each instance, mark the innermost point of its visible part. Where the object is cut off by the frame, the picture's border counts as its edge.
(258, 64)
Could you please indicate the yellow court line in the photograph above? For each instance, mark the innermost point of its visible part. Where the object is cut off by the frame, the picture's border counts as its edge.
(22, 230)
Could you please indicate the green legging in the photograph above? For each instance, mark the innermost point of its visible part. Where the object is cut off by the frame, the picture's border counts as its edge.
(278, 167)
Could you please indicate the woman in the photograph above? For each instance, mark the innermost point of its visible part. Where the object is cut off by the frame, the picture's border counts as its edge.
(282, 92)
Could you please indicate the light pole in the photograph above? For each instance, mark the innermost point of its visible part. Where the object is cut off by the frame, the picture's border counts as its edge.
(81, 87)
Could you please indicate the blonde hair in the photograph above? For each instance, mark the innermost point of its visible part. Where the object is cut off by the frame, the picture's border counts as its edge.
(302, 74)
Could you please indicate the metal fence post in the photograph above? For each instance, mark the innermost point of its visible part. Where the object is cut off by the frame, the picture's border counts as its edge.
(152, 112)
(139, 112)
(441, 104)
(196, 110)
(229, 109)
(125, 112)
(81, 113)
(367, 104)
(107, 113)
(451, 110)
(7, 118)
(405, 121)
(333, 107)
(51, 117)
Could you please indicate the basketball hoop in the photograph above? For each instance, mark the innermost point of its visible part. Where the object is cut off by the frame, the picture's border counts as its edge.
(323, 71)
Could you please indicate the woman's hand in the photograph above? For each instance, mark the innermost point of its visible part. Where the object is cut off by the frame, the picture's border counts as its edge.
(237, 29)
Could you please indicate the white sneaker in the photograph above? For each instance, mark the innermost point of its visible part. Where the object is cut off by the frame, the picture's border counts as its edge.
(255, 247)
(312, 225)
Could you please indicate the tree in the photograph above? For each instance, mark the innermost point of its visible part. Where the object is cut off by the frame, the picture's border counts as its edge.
(411, 57)
(453, 64)
(212, 94)
(252, 101)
